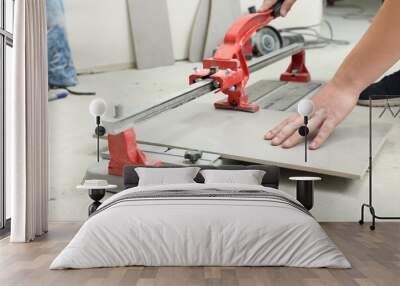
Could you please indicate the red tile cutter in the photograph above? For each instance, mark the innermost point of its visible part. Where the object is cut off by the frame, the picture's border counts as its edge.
(228, 67)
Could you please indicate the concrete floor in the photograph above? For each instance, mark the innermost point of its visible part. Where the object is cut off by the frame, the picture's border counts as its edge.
(73, 148)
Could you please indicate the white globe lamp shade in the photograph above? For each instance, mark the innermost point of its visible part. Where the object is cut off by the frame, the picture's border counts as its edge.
(305, 107)
(97, 107)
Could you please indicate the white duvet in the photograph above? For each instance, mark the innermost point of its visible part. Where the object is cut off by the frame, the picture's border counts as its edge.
(200, 231)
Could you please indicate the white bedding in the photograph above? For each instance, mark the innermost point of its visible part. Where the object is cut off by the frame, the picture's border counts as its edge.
(200, 231)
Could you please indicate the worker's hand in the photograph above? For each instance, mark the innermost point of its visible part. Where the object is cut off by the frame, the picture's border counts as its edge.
(286, 6)
(331, 106)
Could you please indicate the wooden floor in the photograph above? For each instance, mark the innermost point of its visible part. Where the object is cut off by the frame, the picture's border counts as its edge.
(375, 257)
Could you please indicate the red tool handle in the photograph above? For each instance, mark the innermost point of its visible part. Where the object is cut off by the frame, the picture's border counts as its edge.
(276, 9)
(228, 67)
(241, 31)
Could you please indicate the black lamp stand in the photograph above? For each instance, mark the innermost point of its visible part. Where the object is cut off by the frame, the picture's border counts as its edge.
(303, 131)
(99, 131)
(305, 138)
(98, 137)
(370, 203)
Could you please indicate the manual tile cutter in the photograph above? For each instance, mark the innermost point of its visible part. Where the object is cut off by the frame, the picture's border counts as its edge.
(216, 76)
(228, 68)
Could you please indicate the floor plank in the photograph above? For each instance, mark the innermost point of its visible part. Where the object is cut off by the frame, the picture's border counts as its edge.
(375, 257)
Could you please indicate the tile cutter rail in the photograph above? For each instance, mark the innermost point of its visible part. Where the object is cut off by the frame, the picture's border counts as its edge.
(198, 89)
(228, 71)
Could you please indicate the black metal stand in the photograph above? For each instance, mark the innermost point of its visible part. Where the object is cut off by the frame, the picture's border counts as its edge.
(96, 195)
(305, 147)
(305, 193)
(370, 204)
(98, 137)
(303, 131)
(306, 130)
(305, 190)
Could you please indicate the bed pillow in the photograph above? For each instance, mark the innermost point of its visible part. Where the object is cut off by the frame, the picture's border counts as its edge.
(247, 177)
(166, 176)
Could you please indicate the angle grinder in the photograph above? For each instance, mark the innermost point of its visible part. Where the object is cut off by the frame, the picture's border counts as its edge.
(269, 39)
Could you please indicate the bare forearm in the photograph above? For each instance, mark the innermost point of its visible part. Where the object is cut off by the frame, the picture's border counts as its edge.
(376, 52)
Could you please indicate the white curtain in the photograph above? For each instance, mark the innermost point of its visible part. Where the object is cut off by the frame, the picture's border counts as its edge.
(26, 123)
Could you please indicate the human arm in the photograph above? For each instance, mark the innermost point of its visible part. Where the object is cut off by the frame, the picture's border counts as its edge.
(375, 53)
(286, 6)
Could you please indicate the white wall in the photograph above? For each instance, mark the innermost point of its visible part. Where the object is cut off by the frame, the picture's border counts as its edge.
(99, 33)
(181, 17)
(100, 36)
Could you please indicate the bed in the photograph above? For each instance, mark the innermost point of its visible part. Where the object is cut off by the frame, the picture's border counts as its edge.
(201, 224)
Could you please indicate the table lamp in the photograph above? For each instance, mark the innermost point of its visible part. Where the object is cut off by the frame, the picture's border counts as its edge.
(305, 108)
(97, 108)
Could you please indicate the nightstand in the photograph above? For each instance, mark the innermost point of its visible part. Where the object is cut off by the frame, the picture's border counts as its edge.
(96, 190)
(305, 190)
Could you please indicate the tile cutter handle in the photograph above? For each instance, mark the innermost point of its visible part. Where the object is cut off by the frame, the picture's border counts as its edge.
(228, 68)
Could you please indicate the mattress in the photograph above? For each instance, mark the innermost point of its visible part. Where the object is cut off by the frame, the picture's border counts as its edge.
(201, 225)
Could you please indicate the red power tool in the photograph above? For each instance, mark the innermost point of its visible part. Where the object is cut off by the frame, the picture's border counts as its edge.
(228, 67)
